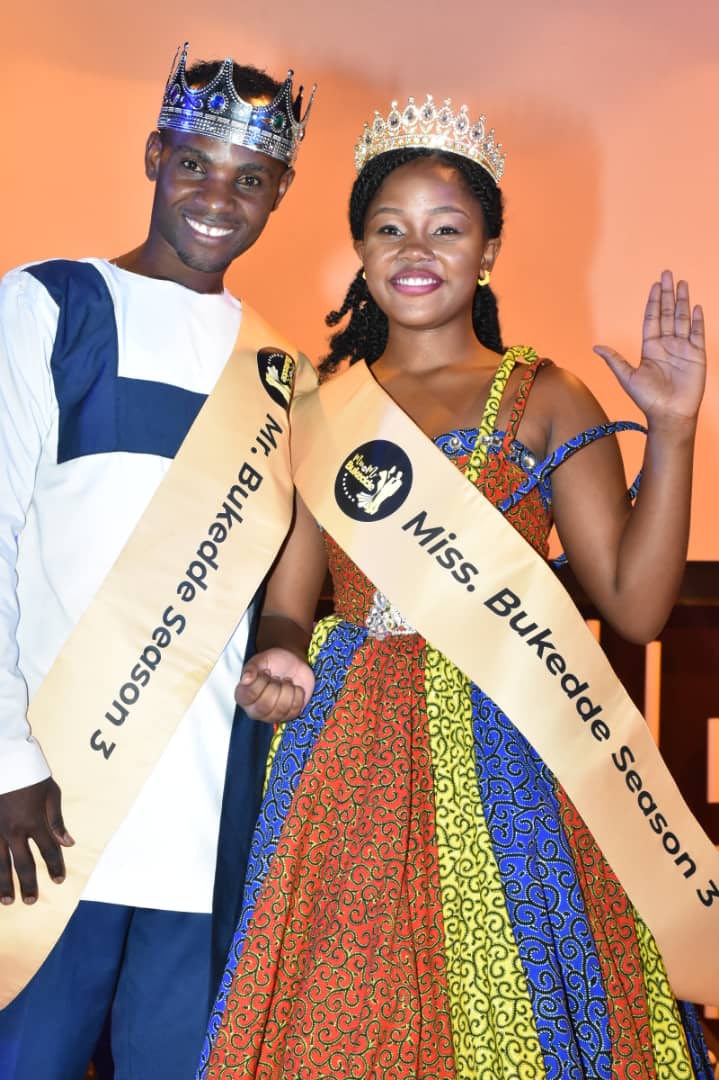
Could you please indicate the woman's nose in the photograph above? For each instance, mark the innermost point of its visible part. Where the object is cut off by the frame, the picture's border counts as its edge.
(416, 248)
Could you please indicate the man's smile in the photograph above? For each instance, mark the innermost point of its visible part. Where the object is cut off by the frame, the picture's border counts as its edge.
(203, 229)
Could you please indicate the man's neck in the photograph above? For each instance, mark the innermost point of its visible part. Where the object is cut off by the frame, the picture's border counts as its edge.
(143, 261)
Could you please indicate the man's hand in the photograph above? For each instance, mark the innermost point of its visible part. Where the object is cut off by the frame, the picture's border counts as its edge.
(31, 813)
(275, 686)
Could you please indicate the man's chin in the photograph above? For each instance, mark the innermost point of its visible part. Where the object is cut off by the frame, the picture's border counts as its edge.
(206, 263)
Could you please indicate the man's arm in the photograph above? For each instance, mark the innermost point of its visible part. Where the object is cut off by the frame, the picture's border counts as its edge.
(277, 681)
(29, 798)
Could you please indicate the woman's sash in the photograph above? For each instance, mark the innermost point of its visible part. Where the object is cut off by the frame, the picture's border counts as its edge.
(160, 620)
(474, 588)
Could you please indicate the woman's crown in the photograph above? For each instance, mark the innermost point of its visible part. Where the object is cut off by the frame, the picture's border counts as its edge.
(431, 127)
(217, 110)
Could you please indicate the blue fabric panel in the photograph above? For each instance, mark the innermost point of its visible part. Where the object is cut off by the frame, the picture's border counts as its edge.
(149, 968)
(543, 896)
(100, 411)
(695, 1037)
(51, 1027)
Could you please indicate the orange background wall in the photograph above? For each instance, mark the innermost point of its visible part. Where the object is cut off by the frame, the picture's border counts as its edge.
(608, 113)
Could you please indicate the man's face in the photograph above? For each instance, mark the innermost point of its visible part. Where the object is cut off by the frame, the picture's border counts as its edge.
(212, 200)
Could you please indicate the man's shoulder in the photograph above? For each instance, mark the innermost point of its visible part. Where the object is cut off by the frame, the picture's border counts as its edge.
(57, 262)
(57, 286)
(24, 296)
(54, 272)
(36, 296)
(49, 273)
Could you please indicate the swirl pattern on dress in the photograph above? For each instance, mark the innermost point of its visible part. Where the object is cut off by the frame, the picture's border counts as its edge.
(492, 1021)
(543, 897)
(338, 943)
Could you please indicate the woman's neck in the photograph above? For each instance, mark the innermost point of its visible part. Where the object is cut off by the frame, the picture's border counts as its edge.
(421, 352)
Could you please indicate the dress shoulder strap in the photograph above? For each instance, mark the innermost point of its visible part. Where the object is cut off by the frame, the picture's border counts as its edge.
(541, 474)
(526, 382)
(518, 354)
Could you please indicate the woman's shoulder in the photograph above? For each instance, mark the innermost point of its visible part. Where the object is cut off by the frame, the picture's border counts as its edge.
(563, 393)
(559, 406)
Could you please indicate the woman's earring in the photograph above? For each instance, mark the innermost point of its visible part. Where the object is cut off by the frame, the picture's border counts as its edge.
(364, 276)
(483, 278)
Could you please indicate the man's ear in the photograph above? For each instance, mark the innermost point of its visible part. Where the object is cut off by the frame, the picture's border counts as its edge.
(153, 152)
(284, 185)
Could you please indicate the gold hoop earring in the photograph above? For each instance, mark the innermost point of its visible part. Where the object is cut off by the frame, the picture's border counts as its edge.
(364, 276)
(483, 278)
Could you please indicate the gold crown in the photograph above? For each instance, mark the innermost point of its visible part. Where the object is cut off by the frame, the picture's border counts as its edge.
(432, 127)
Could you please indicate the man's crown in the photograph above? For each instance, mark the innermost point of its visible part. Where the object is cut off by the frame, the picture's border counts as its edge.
(432, 127)
(217, 110)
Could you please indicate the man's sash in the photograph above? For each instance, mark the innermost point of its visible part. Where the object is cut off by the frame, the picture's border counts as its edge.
(156, 627)
(432, 543)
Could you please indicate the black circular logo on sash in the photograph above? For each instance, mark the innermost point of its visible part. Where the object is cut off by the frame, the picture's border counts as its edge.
(374, 481)
(277, 372)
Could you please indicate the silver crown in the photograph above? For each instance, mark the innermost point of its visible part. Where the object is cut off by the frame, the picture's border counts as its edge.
(434, 127)
(217, 110)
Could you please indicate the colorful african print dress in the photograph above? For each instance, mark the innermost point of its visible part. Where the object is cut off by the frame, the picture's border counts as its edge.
(423, 901)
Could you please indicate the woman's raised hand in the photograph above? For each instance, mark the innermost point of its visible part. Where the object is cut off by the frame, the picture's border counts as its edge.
(668, 383)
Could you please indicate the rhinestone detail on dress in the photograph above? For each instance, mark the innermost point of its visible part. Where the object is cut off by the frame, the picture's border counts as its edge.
(383, 619)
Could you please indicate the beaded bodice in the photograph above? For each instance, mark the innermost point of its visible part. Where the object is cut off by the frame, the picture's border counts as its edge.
(503, 464)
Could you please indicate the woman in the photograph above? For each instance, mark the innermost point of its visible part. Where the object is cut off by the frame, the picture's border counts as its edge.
(423, 899)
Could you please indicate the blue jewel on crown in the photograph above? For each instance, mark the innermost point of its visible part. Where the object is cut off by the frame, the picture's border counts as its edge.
(217, 110)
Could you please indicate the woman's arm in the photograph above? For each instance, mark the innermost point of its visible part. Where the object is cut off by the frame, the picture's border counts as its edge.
(277, 682)
(630, 560)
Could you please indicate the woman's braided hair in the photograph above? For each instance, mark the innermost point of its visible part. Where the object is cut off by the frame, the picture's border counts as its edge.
(365, 335)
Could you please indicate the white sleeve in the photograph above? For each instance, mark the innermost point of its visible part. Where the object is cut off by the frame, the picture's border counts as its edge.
(28, 322)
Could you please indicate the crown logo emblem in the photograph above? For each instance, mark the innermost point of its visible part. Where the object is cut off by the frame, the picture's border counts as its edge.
(432, 127)
(217, 110)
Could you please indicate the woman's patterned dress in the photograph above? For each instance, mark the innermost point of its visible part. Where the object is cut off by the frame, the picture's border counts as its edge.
(423, 900)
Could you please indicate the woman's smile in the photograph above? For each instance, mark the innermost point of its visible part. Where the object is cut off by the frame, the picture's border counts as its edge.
(415, 282)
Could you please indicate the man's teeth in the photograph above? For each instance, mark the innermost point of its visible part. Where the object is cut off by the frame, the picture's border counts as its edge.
(207, 230)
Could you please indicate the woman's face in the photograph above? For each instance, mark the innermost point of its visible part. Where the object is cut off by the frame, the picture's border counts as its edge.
(425, 245)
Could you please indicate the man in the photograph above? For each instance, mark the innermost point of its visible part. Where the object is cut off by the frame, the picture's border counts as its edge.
(104, 366)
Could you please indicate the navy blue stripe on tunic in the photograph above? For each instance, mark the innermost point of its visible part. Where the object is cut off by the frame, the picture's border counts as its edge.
(102, 412)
